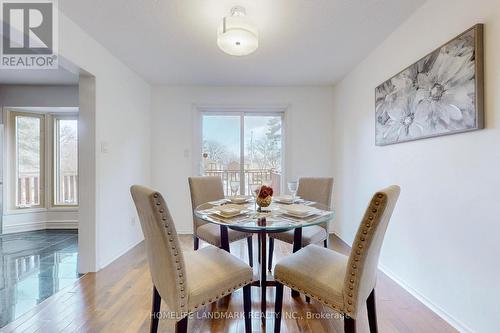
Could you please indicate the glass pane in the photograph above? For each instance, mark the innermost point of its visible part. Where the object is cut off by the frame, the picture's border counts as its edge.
(221, 149)
(66, 162)
(263, 151)
(28, 150)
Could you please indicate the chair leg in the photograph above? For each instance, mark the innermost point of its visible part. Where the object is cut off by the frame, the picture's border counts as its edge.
(247, 307)
(182, 325)
(325, 243)
(155, 309)
(297, 245)
(271, 250)
(349, 325)
(258, 245)
(308, 299)
(196, 242)
(250, 250)
(372, 312)
(278, 307)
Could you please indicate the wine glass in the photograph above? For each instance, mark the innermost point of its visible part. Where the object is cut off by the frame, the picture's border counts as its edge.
(292, 187)
(235, 187)
(255, 190)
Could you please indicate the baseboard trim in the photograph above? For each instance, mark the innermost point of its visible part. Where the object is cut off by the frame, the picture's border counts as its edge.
(61, 224)
(40, 225)
(121, 253)
(424, 300)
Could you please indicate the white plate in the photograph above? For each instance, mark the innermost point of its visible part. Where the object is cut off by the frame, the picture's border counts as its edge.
(228, 216)
(239, 199)
(301, 216)
(229, 211)
(286, 199)
(299, 210)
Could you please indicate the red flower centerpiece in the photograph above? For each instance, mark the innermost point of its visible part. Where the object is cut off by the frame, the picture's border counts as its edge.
(264, 196)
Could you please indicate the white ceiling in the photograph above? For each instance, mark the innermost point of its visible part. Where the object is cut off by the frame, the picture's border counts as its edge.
(301, 41)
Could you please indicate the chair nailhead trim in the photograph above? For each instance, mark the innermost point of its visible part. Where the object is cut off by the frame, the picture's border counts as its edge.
(180, 278)
(369, 218)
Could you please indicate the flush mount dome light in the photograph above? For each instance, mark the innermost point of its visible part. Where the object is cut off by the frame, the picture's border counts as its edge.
(236, 34)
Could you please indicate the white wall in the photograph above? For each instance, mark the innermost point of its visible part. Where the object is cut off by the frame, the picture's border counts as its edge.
(443, 240)
(122, 120)
(38, 95)
(308, 131)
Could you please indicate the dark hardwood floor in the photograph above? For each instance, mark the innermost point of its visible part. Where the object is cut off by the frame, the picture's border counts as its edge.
(118, 299)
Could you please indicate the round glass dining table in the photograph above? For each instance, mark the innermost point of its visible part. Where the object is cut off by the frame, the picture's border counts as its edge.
(273, 219)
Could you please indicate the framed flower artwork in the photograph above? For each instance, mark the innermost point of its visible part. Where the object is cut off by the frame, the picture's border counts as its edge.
(440, 94)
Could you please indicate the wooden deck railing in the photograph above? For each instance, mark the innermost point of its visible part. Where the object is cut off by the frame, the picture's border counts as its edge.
(68, 194)
(28, 193)
(251, 176)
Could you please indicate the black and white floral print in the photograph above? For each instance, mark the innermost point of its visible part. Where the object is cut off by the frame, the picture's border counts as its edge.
(434, 96)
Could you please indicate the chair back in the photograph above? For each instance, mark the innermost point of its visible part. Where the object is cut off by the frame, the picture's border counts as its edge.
(362, 266)
(316, 189)
(165, 259)
(204, 189)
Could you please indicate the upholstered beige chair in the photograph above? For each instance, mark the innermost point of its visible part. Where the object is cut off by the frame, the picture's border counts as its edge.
(313, 189)
(203, 190)
(185, 281)
(335, 280)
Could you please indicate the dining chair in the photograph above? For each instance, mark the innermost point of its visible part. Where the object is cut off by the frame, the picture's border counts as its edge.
(312, 189)
(343, 283)
(205, 189)
(185, 281)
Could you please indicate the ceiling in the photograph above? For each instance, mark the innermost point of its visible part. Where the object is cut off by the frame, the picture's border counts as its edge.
(301, 42)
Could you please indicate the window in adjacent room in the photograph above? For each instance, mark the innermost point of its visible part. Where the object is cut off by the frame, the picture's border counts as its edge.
(29, 159)
(65, 181)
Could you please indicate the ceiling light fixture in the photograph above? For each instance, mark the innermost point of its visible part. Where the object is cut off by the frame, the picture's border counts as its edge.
(236, 35)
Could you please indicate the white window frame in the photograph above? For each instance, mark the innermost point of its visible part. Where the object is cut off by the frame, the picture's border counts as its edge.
(47, 187)
(13, 165)
(54, 154)
(199, 110)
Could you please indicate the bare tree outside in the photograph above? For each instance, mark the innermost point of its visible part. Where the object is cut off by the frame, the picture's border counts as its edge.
(267, 151)
(223, 152)
(28, 164)
(67, 163)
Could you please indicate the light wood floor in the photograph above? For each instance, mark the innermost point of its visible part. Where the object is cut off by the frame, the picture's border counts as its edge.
(118, 299)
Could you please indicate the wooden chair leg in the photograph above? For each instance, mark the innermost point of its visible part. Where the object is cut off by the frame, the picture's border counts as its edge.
(349, 325)
(250, 250)
(196, 242)
(308, 299)
(155, 311)
(372, 312)
(247, 307)
(182, 325)
(271, 250)
(278, 307)
(325, 243)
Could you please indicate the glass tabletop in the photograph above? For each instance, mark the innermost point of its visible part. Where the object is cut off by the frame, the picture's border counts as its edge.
(275, 218)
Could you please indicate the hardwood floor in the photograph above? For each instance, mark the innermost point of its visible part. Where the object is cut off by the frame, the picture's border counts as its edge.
(118, 299)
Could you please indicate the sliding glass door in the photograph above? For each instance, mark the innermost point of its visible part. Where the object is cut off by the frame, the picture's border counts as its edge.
(243, 149)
